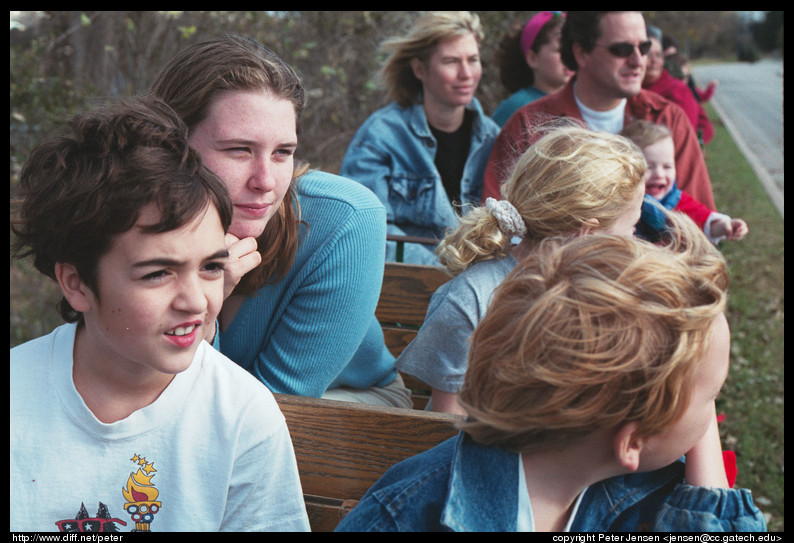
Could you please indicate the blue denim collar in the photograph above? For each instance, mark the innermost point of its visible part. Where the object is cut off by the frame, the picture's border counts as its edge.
(418, 120)
(483, 492)
(605, 502)
(472, 504)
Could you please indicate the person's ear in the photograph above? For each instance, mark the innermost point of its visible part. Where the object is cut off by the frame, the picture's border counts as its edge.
(74, 290)
(579, 54)
(589, 226)
(531, 58)
(418, 68)
(628, 446)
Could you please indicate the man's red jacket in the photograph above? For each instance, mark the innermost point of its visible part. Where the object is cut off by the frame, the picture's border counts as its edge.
(521, 131)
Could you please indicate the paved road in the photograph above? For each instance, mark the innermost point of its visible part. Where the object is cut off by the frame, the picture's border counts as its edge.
(749, 100)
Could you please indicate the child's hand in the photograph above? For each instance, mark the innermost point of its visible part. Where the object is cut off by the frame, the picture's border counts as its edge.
(243, 257)
(737, 230)
(732, 229)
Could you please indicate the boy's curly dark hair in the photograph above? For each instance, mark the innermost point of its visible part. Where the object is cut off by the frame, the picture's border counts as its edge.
(82, 189)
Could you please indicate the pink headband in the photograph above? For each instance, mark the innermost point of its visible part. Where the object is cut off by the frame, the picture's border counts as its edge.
(533, 26)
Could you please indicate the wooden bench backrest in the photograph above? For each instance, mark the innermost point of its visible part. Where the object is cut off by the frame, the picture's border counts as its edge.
(404, 297)
(343, 448)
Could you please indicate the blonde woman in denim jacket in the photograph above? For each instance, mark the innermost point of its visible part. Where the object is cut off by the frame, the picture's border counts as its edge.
(424, 154)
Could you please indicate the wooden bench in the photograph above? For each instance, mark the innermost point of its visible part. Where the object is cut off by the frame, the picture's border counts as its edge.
(404, 297)
(343, 448)
(401, 310)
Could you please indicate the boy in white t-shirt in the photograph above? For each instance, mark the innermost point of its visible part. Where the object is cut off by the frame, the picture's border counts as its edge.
(123, 419)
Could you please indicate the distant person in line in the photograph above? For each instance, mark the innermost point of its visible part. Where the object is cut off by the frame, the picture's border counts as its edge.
(306, 245)
(571, 181)
(677, 63)
(125, 409)
(529, 62)
(423, 155)
(659, 80)
(607, 50)
(595, 369)
(661, 184)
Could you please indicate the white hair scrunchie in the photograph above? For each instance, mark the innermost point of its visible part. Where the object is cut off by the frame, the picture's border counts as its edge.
(508, 217)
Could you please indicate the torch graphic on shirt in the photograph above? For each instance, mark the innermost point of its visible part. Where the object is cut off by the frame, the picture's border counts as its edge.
(141, 495)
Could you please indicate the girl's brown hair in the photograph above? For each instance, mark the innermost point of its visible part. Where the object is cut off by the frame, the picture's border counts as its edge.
(194, 79)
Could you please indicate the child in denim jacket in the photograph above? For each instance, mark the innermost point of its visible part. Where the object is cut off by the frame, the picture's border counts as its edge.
(594, 371)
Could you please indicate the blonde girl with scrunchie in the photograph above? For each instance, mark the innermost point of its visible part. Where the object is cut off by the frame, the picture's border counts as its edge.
(571, 181)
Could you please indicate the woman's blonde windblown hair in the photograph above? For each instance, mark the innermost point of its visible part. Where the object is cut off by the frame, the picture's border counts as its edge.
(429, 30)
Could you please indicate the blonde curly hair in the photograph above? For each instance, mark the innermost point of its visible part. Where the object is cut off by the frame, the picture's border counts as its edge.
(592, 332)
(428, 31)
(568, 176)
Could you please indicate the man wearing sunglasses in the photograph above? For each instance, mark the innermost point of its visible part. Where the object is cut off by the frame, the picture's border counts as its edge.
(608, 50)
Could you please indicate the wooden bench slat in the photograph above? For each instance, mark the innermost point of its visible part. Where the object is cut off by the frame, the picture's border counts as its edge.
(406, 292)
(343, 448)
(397, 338)
(325, 513)
(402, 308)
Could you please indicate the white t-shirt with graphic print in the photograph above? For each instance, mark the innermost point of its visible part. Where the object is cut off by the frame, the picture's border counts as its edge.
(212, 453)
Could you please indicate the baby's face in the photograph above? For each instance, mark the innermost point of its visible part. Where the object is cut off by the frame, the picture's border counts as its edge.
(660, 175)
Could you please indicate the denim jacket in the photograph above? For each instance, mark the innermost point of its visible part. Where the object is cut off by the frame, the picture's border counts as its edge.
(393, 155)
(462, 486)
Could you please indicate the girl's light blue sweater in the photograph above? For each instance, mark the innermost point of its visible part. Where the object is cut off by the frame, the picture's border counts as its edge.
(316, 328)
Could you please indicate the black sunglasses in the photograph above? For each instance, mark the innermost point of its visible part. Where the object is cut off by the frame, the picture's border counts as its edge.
(625, 49)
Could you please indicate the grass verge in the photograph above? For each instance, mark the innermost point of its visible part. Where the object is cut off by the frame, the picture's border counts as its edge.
(753, 395)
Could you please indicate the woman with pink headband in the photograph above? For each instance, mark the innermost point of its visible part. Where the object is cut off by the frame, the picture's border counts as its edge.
(529, 62)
